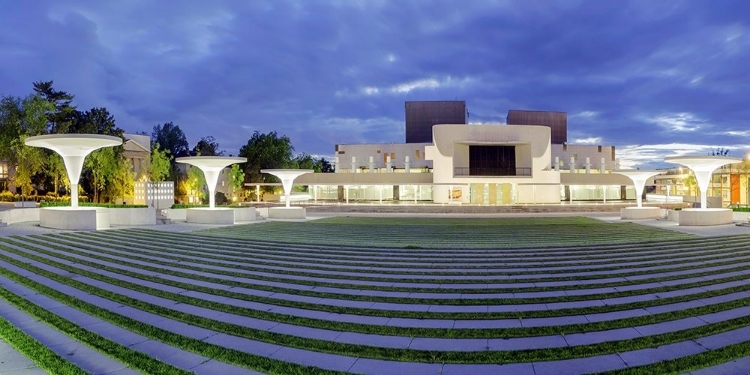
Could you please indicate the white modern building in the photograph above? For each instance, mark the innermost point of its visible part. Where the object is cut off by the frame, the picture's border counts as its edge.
(473, 164)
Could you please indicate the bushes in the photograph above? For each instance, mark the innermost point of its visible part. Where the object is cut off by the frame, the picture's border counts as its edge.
(86, 204)
(7, 196)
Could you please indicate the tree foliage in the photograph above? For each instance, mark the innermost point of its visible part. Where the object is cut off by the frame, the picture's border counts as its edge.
(195, 183)
(208, 146)
(101, 167)
(305, 161)
(236, 180)
(95, 121)
(159, 164)
(266, 151)
(62, 114)
(169, 136)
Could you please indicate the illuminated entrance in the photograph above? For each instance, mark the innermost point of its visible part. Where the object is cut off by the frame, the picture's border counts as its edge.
(492, 194)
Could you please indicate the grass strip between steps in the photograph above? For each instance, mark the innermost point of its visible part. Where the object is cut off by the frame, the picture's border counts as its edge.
(357, 311)
(409, 270)
(130, 357)
(35, 351)
(253, 361)
(485, 333)
(689, 363)
(338, 252)
(577, 286)
(70, 248)
(378, 255)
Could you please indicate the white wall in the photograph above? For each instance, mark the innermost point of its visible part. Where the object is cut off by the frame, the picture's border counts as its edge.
(378, 151)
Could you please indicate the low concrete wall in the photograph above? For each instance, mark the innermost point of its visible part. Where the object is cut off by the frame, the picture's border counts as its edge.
(221, 216)
(88, 218)
(20, 215)
(640, 213)
(132, 216)
(741, 216)
(175, 214)
(244, 214)
(705, 217)
(291, 213)
(24, 204)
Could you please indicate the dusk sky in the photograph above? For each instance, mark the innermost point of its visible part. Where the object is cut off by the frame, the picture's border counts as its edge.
(653, 78)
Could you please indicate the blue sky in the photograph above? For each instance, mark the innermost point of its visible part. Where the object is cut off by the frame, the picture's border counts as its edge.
(653, 78)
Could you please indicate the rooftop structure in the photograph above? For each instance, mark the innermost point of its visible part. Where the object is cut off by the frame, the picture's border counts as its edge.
(422, 115)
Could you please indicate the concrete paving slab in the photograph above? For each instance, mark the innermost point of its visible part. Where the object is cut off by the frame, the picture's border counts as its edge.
(400, 342)
(87, 358)
(381, 367)
(487, 323)
(554, 321)
(424, 323)
(614, 315)
(578, 366)
(726, 315)
(453, 345)
(670, 326)
(662, 353)
(12, 360)
(509, 369)
(588, 338)
(523, 343)
(739, 366)
(308, 358)
(243, 344)
(215, 367)
(723, 339)
(301, 331)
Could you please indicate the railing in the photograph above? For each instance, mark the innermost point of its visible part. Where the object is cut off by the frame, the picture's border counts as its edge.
(469, 171)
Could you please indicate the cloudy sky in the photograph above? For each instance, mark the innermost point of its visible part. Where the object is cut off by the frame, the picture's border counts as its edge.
(653, 78)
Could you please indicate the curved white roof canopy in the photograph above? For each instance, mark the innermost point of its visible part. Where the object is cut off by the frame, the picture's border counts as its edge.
(211, 167)
(639, 178)
(703, 167)
(73, 148)
(287, 177)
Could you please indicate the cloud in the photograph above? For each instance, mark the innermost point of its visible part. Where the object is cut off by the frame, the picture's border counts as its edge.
(339, 71)
(588, 141)
(679, 122)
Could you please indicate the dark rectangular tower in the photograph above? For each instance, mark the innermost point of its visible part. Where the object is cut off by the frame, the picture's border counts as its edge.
(421, 116)
(557, 121)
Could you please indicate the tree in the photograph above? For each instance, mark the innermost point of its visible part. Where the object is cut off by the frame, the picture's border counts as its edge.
(56, 170)
(11, 118)
(236, 179)
(170, 137)
(208, 146)
(29, 160)
(159, 164)
(266, 151)
(122, 180)
(95, 121)
(61, 116)
(324, 165)
(195, 182)
(101, 166)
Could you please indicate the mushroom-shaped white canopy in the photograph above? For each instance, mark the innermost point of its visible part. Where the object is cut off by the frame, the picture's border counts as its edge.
(73, 148)
(703, 167)
(211, 167)
(639, 178)
(287, 177)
